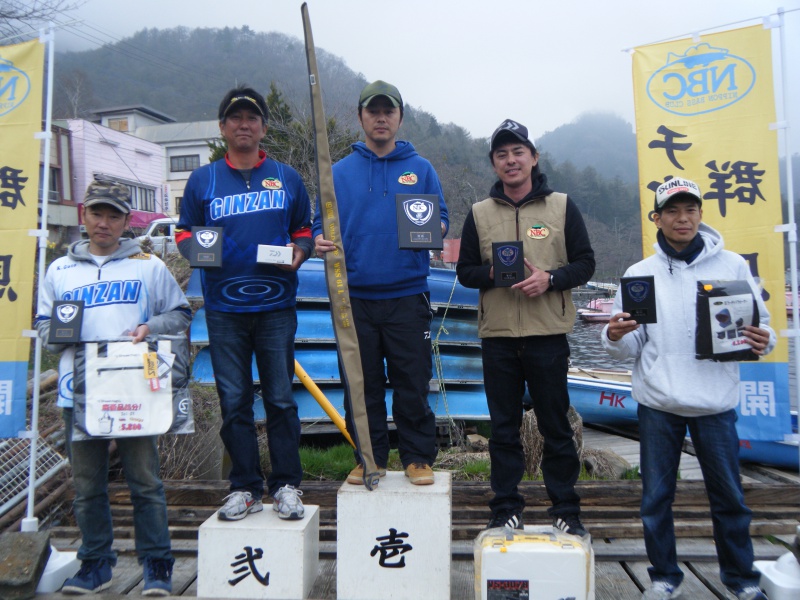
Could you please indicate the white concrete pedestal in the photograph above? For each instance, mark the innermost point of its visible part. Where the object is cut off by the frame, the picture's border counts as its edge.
(394, 542)
(260, 556)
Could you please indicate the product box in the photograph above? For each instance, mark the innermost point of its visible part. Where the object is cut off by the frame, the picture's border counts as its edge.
(541, 562)
(724, 309)
(274, 255)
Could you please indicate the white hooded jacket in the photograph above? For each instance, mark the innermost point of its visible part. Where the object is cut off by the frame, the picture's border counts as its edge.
(666, 374)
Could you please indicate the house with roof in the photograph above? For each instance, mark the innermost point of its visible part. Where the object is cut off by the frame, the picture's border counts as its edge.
(100, 152)
(186, 148)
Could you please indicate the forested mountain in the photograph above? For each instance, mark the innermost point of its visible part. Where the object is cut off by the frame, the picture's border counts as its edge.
(603, 141)
(184, 72)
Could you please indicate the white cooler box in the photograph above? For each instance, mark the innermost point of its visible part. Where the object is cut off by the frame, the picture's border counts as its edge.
(540, 563)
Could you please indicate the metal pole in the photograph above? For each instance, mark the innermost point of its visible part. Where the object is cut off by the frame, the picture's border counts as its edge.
(30, 522)
(792, 226)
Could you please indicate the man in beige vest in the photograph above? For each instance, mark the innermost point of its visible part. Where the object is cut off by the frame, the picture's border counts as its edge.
(524, 327)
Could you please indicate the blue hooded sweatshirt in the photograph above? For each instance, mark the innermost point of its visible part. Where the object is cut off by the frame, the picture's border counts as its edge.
(366, 186)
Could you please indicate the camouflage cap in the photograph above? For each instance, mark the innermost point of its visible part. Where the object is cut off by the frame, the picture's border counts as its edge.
(108, 192)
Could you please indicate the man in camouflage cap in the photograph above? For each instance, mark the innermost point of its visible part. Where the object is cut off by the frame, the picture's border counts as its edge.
(155, 305)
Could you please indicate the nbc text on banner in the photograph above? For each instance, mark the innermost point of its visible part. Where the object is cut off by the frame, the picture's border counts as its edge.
(21, 75)
(703, 112)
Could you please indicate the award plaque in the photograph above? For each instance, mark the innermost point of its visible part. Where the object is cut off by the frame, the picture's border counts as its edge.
(419, 225)
(206, 248)
(65, 322)
(639, 298)
(507, 259)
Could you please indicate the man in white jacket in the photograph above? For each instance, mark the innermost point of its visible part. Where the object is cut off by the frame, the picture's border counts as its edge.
(126, 293)
(675, 391)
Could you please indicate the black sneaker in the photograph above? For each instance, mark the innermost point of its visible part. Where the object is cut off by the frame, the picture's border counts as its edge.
(570, 524)
(506, 518)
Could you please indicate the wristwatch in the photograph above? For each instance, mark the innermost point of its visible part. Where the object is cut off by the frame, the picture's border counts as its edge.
(551, 282)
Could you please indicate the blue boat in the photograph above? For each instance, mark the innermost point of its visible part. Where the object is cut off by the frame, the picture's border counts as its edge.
(445, 291)
(600, 396)
(321, 365)
(314, 326)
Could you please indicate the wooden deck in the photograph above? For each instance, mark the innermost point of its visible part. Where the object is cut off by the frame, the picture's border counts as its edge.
(610, 512)
(620, 572)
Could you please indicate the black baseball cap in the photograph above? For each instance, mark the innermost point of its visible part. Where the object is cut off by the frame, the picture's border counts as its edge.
(510, 128)
(243, 98)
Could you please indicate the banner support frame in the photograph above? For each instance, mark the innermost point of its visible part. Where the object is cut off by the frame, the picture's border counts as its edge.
(30, 522)
(792, 237)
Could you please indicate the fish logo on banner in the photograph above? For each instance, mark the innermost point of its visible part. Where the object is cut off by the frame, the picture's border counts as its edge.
(508, 255)
(15, 85)
(67, 312)
(638, 290)
(206, 238)
(418, 211)
(701, 80)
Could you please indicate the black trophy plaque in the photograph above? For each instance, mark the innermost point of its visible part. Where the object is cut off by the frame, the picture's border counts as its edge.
(507, 259)
(206, 248)
(639, 298)
(419, 224)
(65, 322)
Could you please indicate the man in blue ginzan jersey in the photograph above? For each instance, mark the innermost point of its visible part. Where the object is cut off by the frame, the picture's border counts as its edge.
(250, 306)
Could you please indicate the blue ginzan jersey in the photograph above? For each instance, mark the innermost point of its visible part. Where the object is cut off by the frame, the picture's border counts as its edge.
(273, 208)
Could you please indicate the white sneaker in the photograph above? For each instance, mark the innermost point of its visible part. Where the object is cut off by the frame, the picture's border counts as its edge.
(751, 592)
(238, 505)
(287, 503)
(661, 590)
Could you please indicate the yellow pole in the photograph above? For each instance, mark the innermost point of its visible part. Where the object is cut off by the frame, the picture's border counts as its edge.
(322, 400)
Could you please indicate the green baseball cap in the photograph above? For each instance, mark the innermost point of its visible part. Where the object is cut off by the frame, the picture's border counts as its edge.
(380, 88)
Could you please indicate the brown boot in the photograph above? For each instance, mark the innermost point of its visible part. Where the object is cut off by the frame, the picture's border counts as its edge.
(356, 476)
(419, 474)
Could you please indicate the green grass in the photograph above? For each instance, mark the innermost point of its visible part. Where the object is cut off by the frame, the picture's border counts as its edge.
(334, 463)
(330, 464)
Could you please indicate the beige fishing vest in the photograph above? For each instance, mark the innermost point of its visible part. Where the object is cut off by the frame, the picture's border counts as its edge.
(539, 224)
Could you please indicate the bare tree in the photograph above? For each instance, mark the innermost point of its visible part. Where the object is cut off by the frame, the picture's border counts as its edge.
(21, 16)
(73, 94)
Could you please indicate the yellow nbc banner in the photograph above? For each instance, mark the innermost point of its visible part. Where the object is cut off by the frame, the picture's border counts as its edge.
(21, 77)
(704, 107)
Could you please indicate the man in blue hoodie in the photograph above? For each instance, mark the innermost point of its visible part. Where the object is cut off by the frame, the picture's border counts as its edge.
(388, 286)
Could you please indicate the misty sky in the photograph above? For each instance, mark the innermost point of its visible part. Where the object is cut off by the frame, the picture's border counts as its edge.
(472, 62)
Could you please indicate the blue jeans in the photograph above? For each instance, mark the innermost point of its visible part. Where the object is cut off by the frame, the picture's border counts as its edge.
(233, 338)
(717, 446)
(542, 363)
(140, 462)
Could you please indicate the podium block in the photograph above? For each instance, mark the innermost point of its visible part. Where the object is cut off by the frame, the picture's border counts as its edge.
(394, 542)
(260, 556)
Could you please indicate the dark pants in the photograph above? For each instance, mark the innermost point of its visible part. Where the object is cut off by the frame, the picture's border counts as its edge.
(542, 362)
(398, 330)
(92, 507)
(234, 338)
(716, 444)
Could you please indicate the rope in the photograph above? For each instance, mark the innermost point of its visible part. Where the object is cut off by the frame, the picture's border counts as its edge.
(438, 361)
